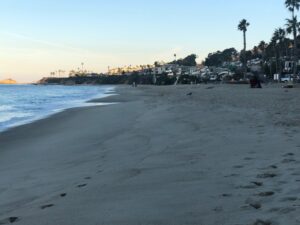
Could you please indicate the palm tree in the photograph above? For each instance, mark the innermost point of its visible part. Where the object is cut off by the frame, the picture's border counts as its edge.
(292, 27)
(243, 27)
(279, 36)
(292, 6)
(278, 40)
(82, 64)
(262, 47)
(292, 24)
(255, 52)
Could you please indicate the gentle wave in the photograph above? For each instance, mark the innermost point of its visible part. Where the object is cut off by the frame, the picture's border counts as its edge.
(20, 104)
(6, 108)
(5, 117)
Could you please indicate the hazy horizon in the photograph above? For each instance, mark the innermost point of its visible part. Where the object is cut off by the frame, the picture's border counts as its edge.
(37, 37)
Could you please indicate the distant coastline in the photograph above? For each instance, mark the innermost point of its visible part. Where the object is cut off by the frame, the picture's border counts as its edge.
(96, 80)
(162, 79)
(8, 81)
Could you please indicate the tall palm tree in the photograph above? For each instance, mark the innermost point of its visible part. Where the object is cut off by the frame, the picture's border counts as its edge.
(280, 34)
(262, 47)
(82, 64)
(278, 40)
(292, 27)
(293, 6)
(243, 27)
(273, 43)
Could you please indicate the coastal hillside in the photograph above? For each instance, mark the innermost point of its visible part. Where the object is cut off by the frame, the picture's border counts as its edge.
(139, 79)
(8, 81)
(110, 80)
(81, 80)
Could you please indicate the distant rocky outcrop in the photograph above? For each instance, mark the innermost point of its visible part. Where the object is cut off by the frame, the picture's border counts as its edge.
(8, 81)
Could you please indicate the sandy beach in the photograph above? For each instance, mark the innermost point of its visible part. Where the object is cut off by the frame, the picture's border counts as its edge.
(224, 155)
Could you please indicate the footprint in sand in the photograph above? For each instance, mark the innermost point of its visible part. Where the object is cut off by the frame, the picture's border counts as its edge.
(253, 203)
(252, 152)
(273, 167)
(289, 199)
(232, 175)
(218, 209)
(238, 167)
(257, 183)
(288, 154)
(226, 195)
(248, 158)
(252, 185)
(249, 186)
(47, 206)
(286, 210)
(282, 182)
(267, 175)
(262, 222)
(288, 160)
(134, 172)
(275, 209)
(266, 194)
(11, 219)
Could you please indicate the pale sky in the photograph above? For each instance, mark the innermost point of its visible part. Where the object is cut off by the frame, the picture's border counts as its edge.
(40, 36)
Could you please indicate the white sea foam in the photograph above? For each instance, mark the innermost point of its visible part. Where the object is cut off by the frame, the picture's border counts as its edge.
(7, 116)
(6, 108)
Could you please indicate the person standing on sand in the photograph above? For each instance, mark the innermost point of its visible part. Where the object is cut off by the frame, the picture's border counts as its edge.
(258, 82)
(255, 81)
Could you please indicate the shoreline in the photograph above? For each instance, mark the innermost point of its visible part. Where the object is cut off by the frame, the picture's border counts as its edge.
(93, 101)
(223, 155)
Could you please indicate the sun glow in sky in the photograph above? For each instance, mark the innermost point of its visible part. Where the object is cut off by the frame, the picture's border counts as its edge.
(40, 36)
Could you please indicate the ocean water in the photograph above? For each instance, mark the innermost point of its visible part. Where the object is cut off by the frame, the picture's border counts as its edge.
(20, 104)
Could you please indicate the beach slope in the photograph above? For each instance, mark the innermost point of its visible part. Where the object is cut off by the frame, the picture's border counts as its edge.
(221, 155)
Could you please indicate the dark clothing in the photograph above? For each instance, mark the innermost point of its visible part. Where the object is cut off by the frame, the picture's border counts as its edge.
(255, 82)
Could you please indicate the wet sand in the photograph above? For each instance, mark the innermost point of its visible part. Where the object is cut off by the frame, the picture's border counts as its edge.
(225, 155)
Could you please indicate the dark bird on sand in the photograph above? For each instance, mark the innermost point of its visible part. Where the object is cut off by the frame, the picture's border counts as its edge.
(190, 94)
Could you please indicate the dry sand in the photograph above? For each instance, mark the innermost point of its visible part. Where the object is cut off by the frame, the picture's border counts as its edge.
(226, 155)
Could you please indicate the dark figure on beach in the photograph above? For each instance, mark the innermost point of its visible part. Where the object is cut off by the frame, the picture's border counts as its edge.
(255, 82)
(258, 83)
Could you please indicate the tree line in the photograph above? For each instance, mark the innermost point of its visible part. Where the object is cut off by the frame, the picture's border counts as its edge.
(273, 53)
